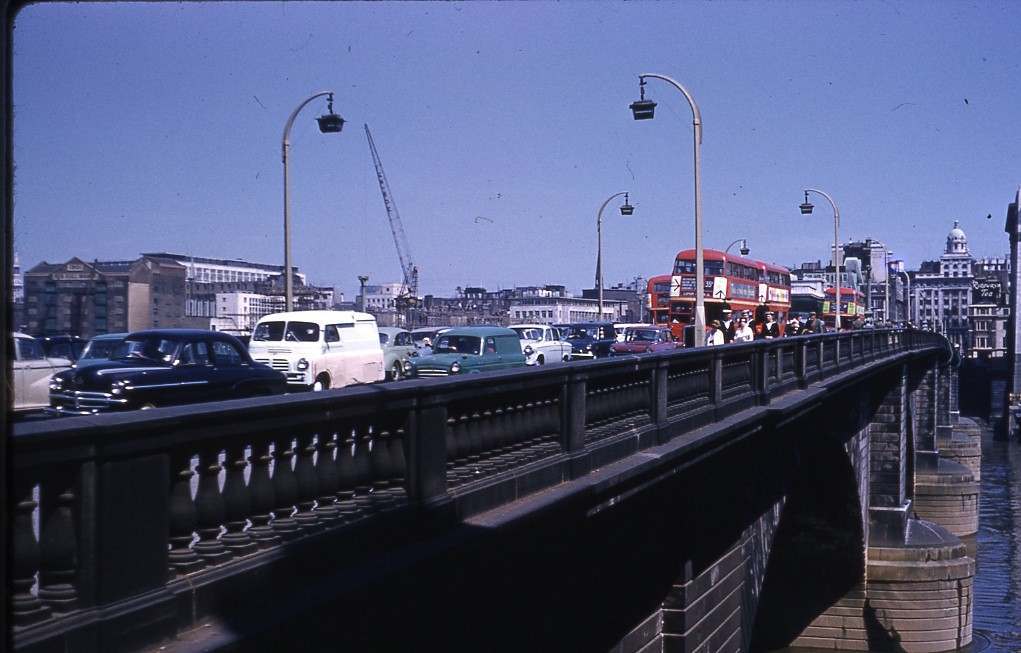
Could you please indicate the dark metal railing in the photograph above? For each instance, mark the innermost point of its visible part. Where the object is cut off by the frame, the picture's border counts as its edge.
(116, 506)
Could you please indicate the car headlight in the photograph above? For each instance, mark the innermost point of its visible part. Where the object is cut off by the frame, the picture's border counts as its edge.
(117, 387)
(528, 350)
(302, 365)
(455, 367)
(588, 347)
(56, 383)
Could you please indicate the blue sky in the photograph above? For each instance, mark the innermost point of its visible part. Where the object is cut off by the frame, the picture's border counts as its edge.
(502, 128)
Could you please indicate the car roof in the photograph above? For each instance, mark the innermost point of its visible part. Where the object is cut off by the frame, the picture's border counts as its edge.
(392, 330)
(110, 336)
(528, 326)
(182, 333)
(326, 317)
(480, 331)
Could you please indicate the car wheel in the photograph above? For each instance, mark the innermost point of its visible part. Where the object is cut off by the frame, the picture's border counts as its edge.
(322, 382)
(397, 373)
(567, 357)
(147, 406)
(540, 360)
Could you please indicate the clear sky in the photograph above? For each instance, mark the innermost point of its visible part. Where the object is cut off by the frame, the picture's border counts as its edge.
(502, 128)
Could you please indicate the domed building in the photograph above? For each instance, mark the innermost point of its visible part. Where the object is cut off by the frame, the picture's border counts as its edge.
(941, 291)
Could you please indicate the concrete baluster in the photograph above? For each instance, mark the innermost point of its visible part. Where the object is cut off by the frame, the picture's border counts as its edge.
(237, 502)
(58, 544)
(285, 490)
(362, 469)
(209, 510)
(398, 465)
(262, 496)
(326, 471)
(382, 469)
(346, 476)
(181, 557)
(307, 483)
(26, 608)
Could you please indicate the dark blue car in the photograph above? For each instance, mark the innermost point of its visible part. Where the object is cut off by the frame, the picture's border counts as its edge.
(590, 339)
(164, 367)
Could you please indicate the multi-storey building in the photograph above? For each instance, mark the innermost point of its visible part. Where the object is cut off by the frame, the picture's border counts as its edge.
(563, 310)
(941, 290)
(81, 298)
(203, 270)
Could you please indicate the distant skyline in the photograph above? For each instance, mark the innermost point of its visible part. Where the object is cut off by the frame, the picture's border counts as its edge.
(503, 126)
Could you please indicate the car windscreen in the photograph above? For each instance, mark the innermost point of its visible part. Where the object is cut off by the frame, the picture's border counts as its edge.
(529, 334)
(383, 338)
(458, 345)
(100, 349)
(271, 331)
(582, 332)
(641, 335)
(154, 349)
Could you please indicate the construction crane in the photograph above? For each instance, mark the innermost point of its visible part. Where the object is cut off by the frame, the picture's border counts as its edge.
(409, 290)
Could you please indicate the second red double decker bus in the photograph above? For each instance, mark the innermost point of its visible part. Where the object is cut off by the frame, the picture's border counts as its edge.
(734, 282)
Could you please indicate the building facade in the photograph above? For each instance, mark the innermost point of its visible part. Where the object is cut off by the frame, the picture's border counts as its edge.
(565, 310)
(941, 291)
(86, 299)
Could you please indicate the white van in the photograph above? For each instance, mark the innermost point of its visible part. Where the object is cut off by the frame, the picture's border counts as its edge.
(319, 349)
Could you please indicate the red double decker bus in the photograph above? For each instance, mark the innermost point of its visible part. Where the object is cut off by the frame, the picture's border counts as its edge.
(852, 306)
(734, 282)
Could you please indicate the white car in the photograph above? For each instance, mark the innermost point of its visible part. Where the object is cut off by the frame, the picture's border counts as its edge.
(318, 350)
(32, 372)
(541, 343)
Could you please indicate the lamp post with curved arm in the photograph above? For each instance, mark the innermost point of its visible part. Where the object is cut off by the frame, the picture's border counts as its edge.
(330, 123)
(806, 209)
(625, 209)
(744, 246)
(644, 110)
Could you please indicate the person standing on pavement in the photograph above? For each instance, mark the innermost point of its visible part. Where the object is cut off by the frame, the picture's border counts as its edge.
(769, 327)
(743, 332)
(714, 336)
(727, 326)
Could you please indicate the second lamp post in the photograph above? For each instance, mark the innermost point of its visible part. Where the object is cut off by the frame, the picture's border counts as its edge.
(806, 209)
(625, 209)
(330, 123)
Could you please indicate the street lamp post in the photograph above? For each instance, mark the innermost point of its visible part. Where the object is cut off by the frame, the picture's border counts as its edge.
(806, 209)
(644, 110)
(886, 288)
(744, 246)
(362, 280)
(625, 209)
(329, 123)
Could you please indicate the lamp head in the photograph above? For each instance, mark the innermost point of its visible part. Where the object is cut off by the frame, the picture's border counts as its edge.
(643, 109)
(744, 248)
(806, 208)
(330, 123)
(626, 208)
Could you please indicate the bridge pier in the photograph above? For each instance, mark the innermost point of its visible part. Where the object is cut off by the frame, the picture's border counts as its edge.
(915, 591)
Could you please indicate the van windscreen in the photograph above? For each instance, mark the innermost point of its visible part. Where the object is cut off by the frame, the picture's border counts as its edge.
(302, 332)
(272, 331)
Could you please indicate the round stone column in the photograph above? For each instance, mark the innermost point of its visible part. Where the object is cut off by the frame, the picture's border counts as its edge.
(948, 496)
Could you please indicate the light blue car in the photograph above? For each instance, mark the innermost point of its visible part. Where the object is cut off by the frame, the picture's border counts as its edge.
(469, 350)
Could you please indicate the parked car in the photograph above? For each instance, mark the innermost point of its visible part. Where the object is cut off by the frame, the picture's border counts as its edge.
(590, 340)
(469, 350)
(317, 350)
(69, 347)
(642, 340)
(425, 336)
(541, 343)
(99, 349)
(398, 349)
(32, 372)
(164, 367)
(620, 328)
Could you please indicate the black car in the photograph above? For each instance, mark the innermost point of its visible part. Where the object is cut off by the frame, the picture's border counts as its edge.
(590, 339)
(69, 347)
(164, 367)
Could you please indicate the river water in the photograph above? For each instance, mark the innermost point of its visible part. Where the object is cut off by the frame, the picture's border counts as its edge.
(997, 619)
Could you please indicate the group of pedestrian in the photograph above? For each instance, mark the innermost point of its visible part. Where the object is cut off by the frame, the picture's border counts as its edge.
(741, 327)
